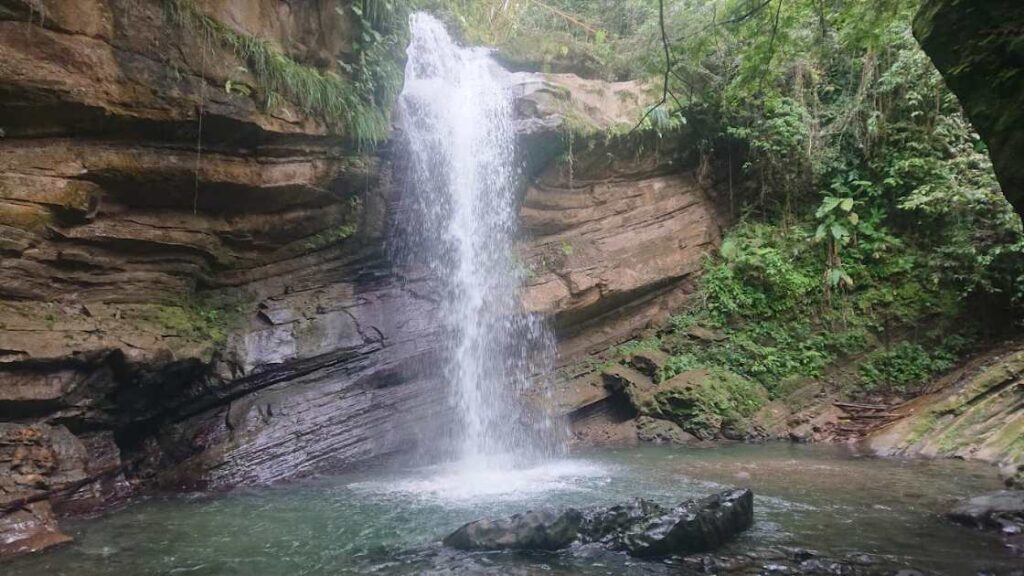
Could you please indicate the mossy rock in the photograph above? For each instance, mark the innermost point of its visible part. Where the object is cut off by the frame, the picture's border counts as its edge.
(975, 416)
(649, 362)
(662, 432)
(702, 402)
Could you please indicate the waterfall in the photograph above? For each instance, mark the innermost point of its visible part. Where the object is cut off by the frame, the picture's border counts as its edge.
(460, 224)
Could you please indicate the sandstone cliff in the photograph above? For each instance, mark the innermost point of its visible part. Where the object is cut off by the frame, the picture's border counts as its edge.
(194, 288)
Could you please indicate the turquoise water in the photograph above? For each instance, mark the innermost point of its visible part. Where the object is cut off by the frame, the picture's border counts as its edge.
(390, 522)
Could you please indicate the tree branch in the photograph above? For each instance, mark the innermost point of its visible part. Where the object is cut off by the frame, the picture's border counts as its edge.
(665, 92)
(771, 48)
(746, 15)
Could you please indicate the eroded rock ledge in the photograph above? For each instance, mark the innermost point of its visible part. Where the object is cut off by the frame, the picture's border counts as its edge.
(181, 319)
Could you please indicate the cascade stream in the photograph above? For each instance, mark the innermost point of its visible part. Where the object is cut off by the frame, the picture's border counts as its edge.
(456, 112)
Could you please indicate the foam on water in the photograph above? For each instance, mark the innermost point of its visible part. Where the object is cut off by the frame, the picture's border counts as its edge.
(469, 482)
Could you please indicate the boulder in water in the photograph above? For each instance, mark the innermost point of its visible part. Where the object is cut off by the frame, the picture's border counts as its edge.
(535, 530)
(640, 528)
(606, 525)
(693, 526)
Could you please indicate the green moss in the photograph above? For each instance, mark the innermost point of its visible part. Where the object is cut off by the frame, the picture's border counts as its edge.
(330, 237)
(209, 319)
(702, 402)
(962, 431)
(633, 346)
(924, 425)
(340, 232)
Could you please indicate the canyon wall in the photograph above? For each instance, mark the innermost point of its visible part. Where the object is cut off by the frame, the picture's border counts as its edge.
(195, 290)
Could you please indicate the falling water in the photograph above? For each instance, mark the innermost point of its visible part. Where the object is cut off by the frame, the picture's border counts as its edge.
(456, 112)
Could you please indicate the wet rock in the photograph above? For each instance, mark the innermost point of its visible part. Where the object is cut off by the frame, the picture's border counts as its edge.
(606, 524)
(619, 378)
(765, 562)
(534, 530)
(694, 400)
(803, 433)
(694, 526)
(973, 415)
(640, 528)
(1003, 511)
(29, 529)
(33, 460)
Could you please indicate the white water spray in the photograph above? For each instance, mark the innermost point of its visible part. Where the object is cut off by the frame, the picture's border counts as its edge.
(461, 220)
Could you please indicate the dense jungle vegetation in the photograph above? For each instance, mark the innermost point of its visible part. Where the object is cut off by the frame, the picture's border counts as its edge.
(870, 230)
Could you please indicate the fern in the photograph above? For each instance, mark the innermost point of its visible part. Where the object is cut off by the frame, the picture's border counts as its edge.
(356, 109)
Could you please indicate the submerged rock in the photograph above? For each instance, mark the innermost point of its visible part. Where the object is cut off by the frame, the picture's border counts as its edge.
(1002, 510)
(641, 528)
(534, 530)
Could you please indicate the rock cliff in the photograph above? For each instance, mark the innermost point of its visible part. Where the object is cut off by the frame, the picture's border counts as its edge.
(194, 287)
(977, 47)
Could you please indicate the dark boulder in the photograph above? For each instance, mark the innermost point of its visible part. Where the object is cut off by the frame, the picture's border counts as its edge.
(608, 524)
(640, 528)
(693, 526)
(534, 530)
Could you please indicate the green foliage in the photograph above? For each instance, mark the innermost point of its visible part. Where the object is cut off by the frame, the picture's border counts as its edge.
(906, 365)
(870, 211)
(634, 346)
(331, 236)
(598, 38)
(764, 293)
(356, 106)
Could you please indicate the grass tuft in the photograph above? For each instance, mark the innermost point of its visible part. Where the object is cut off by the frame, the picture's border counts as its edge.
(358, 109)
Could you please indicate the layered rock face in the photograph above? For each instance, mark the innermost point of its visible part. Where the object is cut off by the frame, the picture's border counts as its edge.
(194, 289)
(614, 239)
(616, 244)
(164, 277)
(974, 413)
